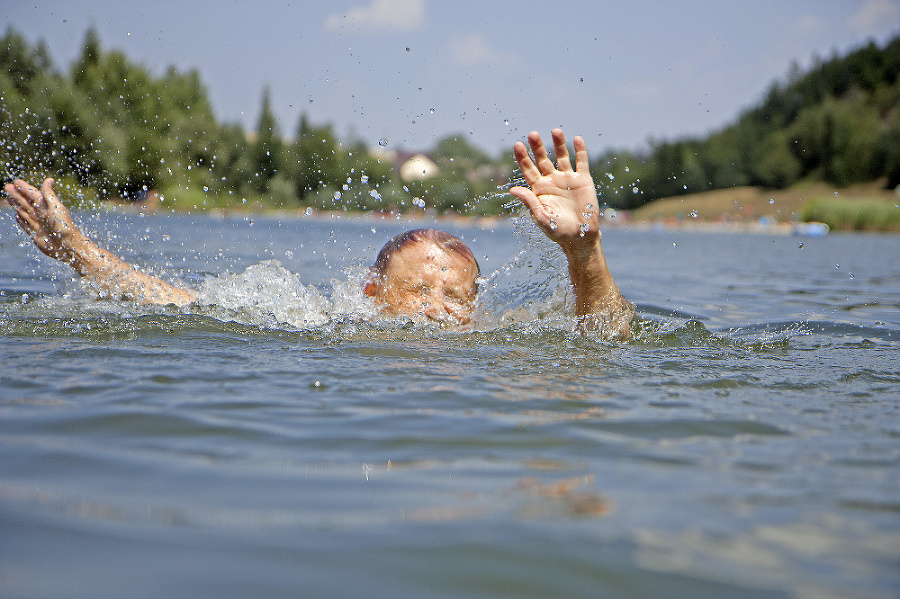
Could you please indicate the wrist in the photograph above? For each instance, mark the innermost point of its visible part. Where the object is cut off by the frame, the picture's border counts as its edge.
(592, 282)
(83, 254)
(581, 252)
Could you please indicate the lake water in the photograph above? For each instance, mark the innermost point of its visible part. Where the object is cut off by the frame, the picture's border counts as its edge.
(279, 441)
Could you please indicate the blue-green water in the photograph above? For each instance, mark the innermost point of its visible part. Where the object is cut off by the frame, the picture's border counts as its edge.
(747, 443)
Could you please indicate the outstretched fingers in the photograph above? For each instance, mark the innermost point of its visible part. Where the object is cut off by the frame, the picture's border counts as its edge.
(42, 216)
(21, 196)
(526, 164)
(541, 158)
(48, 196)
(542, 163)
(25, 195)
(582, 164)
(563, 163)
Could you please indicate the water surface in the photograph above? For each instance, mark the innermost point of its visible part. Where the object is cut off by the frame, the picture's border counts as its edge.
(746, 443)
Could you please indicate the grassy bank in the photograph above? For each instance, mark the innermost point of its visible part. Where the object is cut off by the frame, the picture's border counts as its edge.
(854, 214)
(865, 207)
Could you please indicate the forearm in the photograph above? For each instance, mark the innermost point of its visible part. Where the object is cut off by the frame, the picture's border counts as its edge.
(599, 305)
(112, 274)
(48, 223)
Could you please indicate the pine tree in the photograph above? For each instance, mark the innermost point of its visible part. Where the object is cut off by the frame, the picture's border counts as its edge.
(267, 148)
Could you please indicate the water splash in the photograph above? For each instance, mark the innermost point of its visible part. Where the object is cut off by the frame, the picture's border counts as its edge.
(266, 294)
(532, 289)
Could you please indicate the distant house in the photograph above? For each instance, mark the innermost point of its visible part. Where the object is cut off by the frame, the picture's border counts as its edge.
(411, 166)
(418, 167)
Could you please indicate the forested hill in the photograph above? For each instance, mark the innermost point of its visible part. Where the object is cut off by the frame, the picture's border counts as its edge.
(109, 128)
(112, 129)
(839, 122)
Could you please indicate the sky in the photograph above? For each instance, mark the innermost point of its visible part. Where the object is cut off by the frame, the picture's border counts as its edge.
(412, 71)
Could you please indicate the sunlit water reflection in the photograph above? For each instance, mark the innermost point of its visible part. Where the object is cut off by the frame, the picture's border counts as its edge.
(280, 439)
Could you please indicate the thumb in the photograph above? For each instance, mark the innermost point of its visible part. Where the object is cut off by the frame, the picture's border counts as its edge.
(527, 197)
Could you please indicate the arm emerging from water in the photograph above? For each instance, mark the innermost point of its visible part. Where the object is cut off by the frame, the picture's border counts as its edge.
(47, 221)
(563, 203)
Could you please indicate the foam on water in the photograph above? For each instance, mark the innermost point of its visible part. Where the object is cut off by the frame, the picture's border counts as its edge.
(266, 294)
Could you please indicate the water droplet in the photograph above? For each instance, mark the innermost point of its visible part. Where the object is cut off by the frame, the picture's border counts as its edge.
(800, 246)
(627, 170)
(836, 194)
(506, 122)
(431, 111)
(635, 190)
(374, 193)
(337, 195)
(586, 214)
(419, 202)
(582, 229)
(383, 142)
(851, 276)
(771, 200)
(611, 176)
(693, 214)
(288, 254)
(364, 179)
(553, 225)
(308, 211)
(684, 186)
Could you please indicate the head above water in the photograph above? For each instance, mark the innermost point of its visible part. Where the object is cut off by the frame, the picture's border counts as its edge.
(426, 272)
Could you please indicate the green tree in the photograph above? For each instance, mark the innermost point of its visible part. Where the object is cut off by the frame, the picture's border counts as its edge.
(89, 58)
(21, 63)
(319, 159)
(267, 147)
(777, 167)
(837, 140)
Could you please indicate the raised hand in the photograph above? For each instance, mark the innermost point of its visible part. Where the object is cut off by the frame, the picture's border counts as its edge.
(48, 222)
(45, 219)
(562, 200)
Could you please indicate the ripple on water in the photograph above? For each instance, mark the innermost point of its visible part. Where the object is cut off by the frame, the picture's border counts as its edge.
(666, 430)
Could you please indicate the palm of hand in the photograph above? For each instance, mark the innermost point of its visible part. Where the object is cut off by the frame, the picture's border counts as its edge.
(568, 205)
(562, 199)
(54, 228)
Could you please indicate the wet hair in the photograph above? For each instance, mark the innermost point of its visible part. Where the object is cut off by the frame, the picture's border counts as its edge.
(442, 239)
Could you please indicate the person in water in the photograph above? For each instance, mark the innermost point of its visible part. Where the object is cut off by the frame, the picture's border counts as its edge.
(420, 273)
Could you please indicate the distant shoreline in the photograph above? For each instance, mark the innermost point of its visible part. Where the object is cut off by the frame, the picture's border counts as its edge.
(739, 209)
